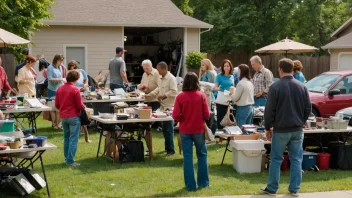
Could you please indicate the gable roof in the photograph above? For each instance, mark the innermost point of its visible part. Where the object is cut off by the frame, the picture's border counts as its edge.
(342, 27)
(342, 42)
(128, 13)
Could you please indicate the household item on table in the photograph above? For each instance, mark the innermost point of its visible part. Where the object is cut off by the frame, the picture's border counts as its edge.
(105, 97)
(160, 115)
(121, 104)
(119, 91)
(15, 144)
(40, 141)
(248, 128)
(105, 115)
(323, 161)
(247, 155)
(144, 113)
(122, 116)
(311, 124)
(22, 185)
(309, 160)
(233, 130)
(141, 105)
(7, 125)
(33, 102)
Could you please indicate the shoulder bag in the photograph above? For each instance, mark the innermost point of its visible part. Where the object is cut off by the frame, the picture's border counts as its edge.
(226, 121)
(207, 132)
(84, 118)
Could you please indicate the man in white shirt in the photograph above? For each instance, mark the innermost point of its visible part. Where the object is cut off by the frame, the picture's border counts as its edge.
(166, 93)
(149, 83)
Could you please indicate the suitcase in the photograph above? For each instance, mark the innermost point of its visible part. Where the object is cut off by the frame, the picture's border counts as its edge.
(35, 179)
(22, 185)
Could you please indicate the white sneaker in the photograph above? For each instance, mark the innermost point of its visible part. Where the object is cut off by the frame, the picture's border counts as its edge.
(74, 164)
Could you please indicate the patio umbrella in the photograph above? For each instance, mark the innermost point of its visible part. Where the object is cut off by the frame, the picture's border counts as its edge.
(8, 38)
(286, 46)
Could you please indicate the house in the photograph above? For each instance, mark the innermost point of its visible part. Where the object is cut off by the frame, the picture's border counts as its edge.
(89, 31)
(341, 48)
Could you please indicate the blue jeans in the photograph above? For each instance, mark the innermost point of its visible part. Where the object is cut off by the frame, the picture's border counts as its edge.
(51, 94)
(188, 168)
(116, 86)
(244, 115)
(293, 141)
(168, 132)
(259, 102)
(71, 127)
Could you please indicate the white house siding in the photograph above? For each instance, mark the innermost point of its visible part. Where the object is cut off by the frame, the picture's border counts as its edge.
(334, 58)
(101, 43)
(193, 40)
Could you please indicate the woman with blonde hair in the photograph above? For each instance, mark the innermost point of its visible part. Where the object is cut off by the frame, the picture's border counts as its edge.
(297, 71)
(208, 74)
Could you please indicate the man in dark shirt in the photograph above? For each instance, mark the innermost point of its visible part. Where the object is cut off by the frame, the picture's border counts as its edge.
(286, 111)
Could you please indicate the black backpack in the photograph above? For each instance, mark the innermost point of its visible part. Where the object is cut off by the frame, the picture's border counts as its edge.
(131, 151)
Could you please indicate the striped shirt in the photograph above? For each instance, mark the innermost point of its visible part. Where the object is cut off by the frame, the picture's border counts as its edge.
(262, 80)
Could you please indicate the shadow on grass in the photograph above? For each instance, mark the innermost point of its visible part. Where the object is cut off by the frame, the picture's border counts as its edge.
(182, 191)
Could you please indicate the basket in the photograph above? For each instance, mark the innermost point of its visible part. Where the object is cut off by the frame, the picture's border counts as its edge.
(14, 145)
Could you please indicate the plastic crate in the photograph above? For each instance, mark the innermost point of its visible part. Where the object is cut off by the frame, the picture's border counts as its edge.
(309, 160)
(38, 140)
(7, 125)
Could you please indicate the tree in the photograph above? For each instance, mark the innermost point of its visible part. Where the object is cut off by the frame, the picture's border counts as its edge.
(184, 6)
(22, 17)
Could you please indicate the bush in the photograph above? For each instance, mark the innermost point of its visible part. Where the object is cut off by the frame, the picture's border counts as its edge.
(193, 59)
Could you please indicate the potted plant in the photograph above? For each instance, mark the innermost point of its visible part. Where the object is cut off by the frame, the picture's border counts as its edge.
(14, 143)
(193, 60)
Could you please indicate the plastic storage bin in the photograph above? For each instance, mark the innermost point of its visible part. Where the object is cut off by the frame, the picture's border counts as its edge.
(7, 125)
(247, 155)
(39, 141)
(309, 160)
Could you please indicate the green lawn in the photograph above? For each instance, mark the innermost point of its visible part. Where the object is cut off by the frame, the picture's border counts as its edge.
(162, 177)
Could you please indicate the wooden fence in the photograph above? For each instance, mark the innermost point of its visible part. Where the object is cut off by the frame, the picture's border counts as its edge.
(8, 64)
(313, 66)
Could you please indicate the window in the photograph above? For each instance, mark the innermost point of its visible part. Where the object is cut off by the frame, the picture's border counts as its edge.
(345, 85)
(77, 53)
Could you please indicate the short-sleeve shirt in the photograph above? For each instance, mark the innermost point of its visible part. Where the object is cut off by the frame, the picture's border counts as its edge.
(83, 76)
(224, 82)
(208, 77)
(116, 65)
(54, 72)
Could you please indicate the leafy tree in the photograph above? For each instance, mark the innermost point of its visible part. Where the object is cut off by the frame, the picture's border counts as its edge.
(184, 6)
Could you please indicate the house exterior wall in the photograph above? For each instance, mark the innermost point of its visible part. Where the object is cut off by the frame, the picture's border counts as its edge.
(101, 43)
(193, 40)
(334, 58)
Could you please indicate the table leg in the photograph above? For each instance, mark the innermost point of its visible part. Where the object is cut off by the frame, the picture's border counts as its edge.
(47, 185)
(149, 142)
(227, 145)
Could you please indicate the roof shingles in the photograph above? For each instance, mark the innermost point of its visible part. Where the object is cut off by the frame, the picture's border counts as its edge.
(128, 13)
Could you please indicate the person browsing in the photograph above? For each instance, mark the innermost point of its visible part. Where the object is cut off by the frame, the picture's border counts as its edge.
(117, 70)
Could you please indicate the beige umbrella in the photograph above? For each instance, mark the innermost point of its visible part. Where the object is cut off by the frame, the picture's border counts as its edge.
(286, 46)
(7, 38)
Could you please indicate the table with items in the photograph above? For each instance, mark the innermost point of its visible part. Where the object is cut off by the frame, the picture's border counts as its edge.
(17, 156)
(121, 127)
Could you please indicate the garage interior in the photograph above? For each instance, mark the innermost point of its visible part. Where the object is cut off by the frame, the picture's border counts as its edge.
(156, 44)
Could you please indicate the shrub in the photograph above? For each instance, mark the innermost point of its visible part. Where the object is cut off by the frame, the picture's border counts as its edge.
(193, 59)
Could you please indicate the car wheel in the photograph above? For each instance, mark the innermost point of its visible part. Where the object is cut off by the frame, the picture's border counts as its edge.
(316, 114)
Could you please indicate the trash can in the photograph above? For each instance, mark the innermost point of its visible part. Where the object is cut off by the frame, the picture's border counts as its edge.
(247, 155)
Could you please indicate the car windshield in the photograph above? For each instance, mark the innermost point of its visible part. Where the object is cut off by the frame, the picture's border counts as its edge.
(322, 83)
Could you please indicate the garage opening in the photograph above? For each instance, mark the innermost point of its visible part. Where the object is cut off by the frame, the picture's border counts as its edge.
(156, 44)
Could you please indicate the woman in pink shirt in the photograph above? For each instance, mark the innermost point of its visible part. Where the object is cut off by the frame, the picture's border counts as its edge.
(69, 102)
(190, 110)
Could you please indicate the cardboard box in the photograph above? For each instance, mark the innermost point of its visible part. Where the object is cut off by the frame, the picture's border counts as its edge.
(145, 113)
(253, 136)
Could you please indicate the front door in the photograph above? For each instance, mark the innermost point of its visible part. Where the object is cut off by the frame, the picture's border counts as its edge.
(77, 54)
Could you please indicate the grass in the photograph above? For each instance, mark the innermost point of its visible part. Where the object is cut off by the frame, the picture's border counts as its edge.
(162, 177)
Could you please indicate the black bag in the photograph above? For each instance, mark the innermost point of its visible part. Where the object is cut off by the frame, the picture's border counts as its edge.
(341, 156)
(84, 118)
(131, 151)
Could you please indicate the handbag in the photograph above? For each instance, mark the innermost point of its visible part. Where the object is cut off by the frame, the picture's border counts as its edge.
(207, 132)
(226, 121)
(84, 118)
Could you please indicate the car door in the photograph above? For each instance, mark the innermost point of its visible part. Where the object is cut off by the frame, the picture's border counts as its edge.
(341, 101)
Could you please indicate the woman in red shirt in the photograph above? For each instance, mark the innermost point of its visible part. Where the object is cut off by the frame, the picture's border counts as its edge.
(69, 102)
(190, 110)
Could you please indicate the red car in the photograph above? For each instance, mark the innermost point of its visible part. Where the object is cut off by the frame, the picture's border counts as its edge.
(330, 92)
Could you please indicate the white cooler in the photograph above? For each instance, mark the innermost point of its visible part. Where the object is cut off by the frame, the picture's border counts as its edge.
(247, 155)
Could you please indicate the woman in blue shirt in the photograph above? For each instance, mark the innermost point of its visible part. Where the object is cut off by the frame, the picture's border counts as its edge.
(224, 81)
(55, 80)
(297, 71)
(208, 74)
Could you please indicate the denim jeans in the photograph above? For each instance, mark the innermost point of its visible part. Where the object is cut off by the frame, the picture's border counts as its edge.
(51, 94)
(116, 86)
(71, 127)
(168, 131)
(188, 168)
(244, 115)
(259, 102)
(293, 141)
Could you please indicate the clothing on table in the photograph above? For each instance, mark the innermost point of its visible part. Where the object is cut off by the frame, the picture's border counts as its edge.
(83, 77)
(300, 77)
(26, 74)
(71, 128)
(4, 84)
(224, 82)
(198, 139)
(262, 80)
(166, 86)
(151, 81)
(288, 106)
(190, 110)
(54, 72)
(244, 115)
(293, 141)
(69, 101)
(19, 66)
(244, 93)
(117, 65)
